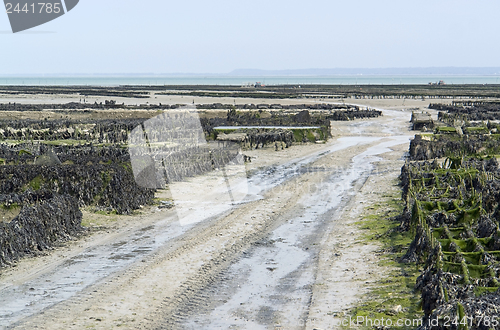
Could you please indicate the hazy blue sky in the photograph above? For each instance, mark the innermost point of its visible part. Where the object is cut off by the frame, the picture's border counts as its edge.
(158, 36)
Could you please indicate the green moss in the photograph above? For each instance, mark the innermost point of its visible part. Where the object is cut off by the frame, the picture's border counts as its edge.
(472, 257)
(298, 135)
(466, 245)
(428, 206)
(455, 232)
(310, 136)
(477, 130)
(113, 212)
(478, 271)
(438, 233)
(470, 216)
(397, 288)
(36, 183)
(479, 290)
(445, 129)
(452, 267)
(225, 131)
(461, 316)
(10, 207)
(24, 152)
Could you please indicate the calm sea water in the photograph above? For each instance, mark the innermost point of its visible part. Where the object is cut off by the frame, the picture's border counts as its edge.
(240, 80)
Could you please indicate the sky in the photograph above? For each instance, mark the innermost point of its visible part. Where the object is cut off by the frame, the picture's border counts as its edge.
(218, 36)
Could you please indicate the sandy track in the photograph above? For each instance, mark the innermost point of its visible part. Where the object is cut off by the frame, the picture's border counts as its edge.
(270, 263)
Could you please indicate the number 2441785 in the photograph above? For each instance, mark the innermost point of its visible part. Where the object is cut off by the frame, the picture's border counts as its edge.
(38, 8)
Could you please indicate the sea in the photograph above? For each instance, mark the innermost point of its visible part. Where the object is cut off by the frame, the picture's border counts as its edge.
(155, 80)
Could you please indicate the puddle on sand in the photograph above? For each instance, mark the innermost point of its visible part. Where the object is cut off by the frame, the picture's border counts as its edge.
(275, 175)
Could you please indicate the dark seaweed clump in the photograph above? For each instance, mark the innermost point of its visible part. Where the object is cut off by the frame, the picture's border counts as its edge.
(45, 219)
(452, 210)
